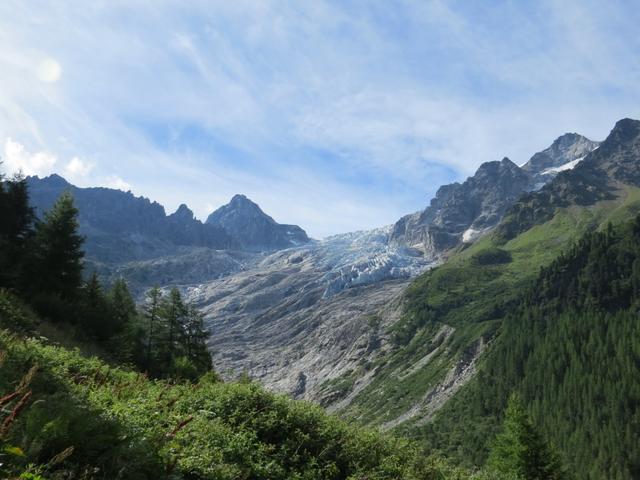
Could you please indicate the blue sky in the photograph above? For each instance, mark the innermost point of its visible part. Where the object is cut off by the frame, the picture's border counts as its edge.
(336, 115)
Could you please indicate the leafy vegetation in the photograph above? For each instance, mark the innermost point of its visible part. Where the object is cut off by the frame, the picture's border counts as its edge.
(85, 419)
(520, 449)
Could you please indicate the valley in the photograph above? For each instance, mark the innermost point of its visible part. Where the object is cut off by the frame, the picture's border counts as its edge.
(388, 328)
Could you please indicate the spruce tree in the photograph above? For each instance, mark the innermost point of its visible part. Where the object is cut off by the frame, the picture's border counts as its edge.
(56, 262)
(97, 320)
(174, 313)
(520, 449)
(16, 228)
(196, 340)
(152, 315)
(123, 308)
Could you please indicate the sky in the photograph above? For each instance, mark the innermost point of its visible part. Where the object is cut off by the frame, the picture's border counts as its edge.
(333, 115)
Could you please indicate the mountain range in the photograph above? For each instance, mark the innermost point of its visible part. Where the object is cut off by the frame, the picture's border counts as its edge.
(401, 327)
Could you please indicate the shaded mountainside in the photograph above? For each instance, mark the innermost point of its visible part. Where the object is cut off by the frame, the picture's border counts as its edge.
(119, 226)
(460, 212)
(598, 177)
(133, 237)
(254, 229)
(571, 350)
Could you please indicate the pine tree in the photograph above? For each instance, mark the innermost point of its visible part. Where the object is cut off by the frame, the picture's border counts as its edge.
(521, 450)
(122, 303)
(196, 341)
(16, 228)
(174, 313)
(98, 319)
(125, 314)
(152, 316)
(56, 262)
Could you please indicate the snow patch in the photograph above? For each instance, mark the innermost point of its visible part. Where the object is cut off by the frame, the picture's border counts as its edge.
(470, 235)
(562, 168)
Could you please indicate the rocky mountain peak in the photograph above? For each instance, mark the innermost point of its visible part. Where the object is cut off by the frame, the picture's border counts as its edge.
(55, 181)
(566, 149)
(625, 131)
(497, 168)
(245, 221)
(619, 154)
(239, 209)
(183, 213)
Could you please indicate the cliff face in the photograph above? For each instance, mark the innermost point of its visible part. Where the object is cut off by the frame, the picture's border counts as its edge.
(460, 212)
(120, 227)
(253, 229)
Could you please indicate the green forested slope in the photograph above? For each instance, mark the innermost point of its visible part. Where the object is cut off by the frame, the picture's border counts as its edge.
(571, 349)
(471, 293)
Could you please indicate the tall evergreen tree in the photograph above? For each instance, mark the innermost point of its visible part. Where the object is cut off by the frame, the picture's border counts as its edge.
(196, 336)
(56, 262)
(16, 228)
(97, 318)
(152, 315)
(174, 313)
(127, 343)
(521, 450)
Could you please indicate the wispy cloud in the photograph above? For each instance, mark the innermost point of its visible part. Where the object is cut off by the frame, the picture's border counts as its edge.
(333, 115)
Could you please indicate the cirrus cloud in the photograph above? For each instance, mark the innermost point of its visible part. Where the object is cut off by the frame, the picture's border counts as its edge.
(308, 107)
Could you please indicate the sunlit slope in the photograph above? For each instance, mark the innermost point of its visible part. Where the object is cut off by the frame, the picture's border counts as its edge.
(453, 312)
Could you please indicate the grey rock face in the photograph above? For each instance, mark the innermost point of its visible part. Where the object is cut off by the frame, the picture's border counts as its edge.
(253, 229)
(598, 177)
(121, 227)
(462, 212)
(302, 316)
(566, 149)
(619, 155)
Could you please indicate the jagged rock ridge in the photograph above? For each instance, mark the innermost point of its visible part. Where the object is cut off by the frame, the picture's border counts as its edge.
(461, 212)
(561, 155)
(120, 227)
(597, 177)
(254, 229)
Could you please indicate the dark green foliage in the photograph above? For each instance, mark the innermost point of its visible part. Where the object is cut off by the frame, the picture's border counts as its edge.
(127, 343)
(97, 319)
(571, 350)
(174, 337)
(520, 449)
(16, 228)
(15, 315)
(492, 256)
(45, 267)
(55, 264)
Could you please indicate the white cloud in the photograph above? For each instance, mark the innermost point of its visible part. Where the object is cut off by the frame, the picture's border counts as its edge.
(383, 91)
(49, 70)
(18, 159)
(114, 181)
(77, 169)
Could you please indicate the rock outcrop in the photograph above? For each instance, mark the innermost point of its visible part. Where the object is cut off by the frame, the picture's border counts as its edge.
(253, 229)
(461, 212)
